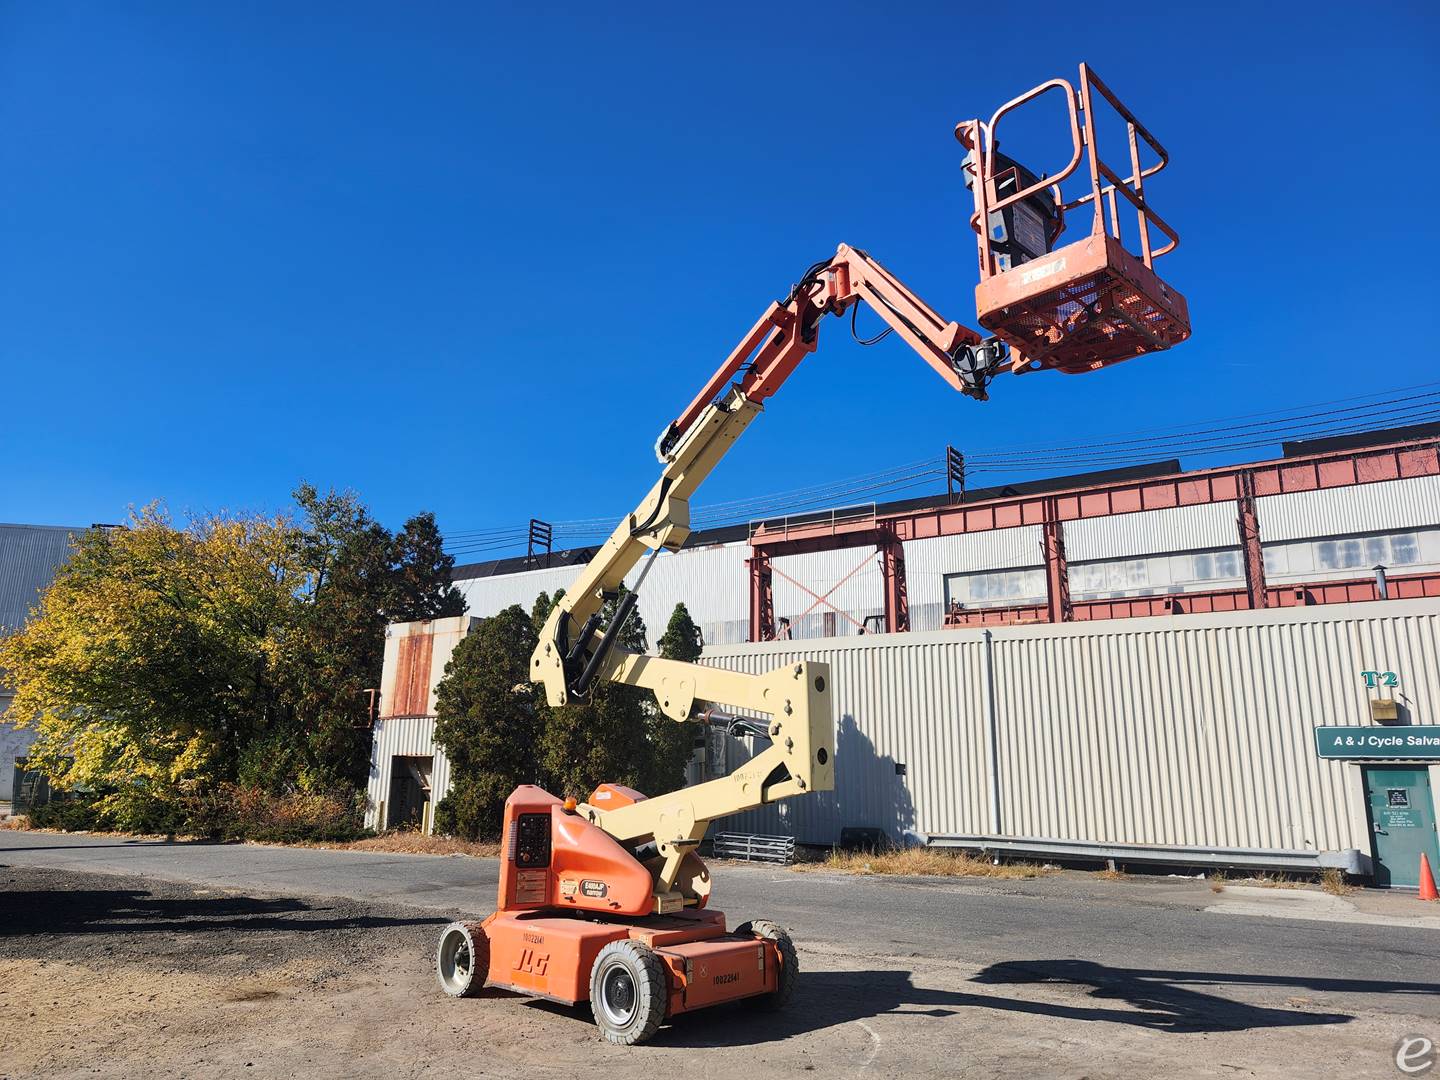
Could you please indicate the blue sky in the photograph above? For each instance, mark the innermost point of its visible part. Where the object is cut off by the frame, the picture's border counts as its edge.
(470, 259)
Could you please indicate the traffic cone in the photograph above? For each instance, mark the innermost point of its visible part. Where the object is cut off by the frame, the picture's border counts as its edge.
(1427, 880)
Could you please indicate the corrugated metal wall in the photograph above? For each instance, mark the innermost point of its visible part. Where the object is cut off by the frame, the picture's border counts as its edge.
(29, 557)
(1388, 504)
(404, 736)
(849, 580)
(713, 582)
(1149, 731)
(1151, 532)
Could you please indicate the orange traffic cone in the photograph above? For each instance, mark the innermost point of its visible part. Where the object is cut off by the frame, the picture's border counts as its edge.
(1427, 880)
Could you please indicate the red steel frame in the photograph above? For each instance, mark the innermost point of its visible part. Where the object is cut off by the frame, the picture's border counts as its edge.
(1241, 484)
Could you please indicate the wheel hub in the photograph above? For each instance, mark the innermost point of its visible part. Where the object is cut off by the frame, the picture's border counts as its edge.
(618, 995)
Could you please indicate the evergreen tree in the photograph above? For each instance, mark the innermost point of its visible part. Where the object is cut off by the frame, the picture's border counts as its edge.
(422, 588)
(489, 717)
(672, 745)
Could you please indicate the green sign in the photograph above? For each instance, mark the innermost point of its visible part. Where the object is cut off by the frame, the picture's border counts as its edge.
(1414, 741)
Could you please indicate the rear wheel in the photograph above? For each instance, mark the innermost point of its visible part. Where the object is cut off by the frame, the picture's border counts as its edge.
(789, 973)
(462, 959)
(628, 992)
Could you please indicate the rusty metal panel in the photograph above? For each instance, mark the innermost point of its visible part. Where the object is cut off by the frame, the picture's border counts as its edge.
(1339, 511)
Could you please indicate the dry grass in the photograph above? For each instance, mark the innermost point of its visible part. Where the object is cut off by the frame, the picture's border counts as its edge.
(1112, 875)
(1332, 880)
(921, 862)
(19, 821)
(408, 842)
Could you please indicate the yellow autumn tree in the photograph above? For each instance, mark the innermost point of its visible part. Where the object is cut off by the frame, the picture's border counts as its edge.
(153, 660)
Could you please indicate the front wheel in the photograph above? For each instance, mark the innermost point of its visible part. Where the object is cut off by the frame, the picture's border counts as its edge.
(789, 973)
(628, 992)
(462, 960)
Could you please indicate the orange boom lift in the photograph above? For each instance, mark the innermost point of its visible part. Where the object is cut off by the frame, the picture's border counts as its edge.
(607, 901)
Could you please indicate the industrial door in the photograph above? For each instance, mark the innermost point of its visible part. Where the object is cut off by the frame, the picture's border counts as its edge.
(409, 792)
(1402, 822)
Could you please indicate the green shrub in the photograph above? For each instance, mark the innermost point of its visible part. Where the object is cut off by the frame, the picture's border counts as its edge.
(68, 814)
(472, 810)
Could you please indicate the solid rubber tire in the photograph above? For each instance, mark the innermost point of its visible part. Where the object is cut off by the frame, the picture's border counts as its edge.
(473, 981)
(789, 973)
(651, 989)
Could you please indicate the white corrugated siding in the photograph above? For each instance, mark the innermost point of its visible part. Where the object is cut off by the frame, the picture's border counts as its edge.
(1152, 532)
(402, 736)
(849, 579)
(1141, 731)
(29, 557)
(897, 700)
(490, 595)
(713, 583)
(929, 561)
(1378, 507)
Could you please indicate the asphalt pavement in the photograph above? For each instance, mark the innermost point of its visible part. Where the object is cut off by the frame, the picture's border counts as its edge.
(1126, 937)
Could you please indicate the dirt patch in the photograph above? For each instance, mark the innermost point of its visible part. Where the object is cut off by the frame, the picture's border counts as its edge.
(921, 862)
(415, 843)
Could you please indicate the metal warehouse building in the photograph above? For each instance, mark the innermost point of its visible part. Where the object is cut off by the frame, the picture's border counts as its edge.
(29, 557)
(1130, 665)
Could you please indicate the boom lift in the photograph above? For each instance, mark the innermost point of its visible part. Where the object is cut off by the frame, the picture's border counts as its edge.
(606, 901)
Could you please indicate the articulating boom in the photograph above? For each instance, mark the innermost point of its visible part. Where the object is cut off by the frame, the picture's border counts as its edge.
(1073, 309)
(607, 900)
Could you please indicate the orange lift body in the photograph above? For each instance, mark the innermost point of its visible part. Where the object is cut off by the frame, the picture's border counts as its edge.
(564, 884)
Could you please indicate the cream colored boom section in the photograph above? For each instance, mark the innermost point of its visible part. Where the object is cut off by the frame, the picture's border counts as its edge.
(799, 760)
(661, 521)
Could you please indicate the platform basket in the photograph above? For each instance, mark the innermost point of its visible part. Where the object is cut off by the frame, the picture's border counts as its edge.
(1090, 303)
(1082, 307)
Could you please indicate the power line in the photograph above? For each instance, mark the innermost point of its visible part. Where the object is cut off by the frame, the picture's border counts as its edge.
(1397, 407)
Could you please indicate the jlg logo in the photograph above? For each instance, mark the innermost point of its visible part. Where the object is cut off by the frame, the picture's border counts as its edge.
(532, 964)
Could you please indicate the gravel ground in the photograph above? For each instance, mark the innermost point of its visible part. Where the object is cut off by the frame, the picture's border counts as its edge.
(119, 976)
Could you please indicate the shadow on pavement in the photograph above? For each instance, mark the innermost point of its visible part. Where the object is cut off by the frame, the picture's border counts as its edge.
(130, 911)
(1156, 1000)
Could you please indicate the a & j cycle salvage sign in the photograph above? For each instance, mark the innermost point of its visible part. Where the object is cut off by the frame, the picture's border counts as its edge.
(1416, 741)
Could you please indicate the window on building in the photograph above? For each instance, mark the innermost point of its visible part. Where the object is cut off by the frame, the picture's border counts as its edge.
(1117, 576)
(1276, 560)
(1364, 552)
(1215, 565)
(1404, 549)
(1000, 587)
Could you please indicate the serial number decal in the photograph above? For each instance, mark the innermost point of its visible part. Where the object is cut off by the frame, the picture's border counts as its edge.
(534, 939)
(732, 977)
(1042, 272)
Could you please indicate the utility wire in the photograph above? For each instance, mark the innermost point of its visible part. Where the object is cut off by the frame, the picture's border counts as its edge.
(1398, 407)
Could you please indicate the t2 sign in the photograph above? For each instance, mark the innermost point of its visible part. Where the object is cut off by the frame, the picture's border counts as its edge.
(1375, 679)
